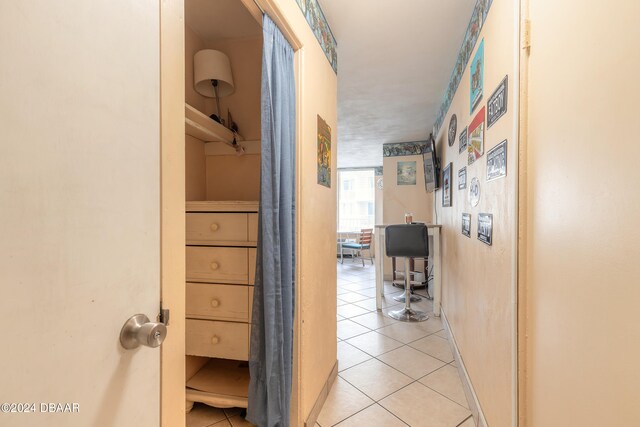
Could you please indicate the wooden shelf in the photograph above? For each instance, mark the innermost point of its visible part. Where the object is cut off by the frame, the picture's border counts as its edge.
(221, 206)
(220, 383)
(206, 129)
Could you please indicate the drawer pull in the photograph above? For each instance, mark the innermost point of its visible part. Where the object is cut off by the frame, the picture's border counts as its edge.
(215, 303)
(214, 265)
(214, 227)
(215, 340)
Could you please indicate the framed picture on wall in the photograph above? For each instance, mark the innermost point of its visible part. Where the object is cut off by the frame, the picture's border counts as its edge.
(497, 103)
(462, 178)
(466, 224)
(497, 161)
(406, 173)
(476, 137)
(446, 186)
(324, 153)
(463, 141)
(485, 228)
(453, 127)
(477, 77)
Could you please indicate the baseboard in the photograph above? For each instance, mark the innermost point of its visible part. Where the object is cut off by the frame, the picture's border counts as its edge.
(472, 397)
(322, 397)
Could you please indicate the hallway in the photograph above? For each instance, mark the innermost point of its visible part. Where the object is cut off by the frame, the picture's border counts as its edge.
(390, 373)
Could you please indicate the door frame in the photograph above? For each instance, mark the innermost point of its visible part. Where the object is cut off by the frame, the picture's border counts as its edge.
(172, 199)
(172, 208)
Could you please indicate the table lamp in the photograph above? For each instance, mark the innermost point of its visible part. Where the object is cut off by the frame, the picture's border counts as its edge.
(212, 76)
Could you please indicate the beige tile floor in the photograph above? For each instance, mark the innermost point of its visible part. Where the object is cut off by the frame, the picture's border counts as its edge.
(390, 373)
(206, 416)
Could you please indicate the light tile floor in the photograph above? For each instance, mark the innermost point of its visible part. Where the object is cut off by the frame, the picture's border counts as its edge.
(390, 373)
(206, 416)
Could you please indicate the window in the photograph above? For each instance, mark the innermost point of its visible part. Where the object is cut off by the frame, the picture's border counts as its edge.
(356, 199)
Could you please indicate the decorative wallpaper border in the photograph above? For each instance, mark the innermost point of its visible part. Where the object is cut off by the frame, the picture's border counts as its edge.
(318, 22)
(478, 17)
(393, 149)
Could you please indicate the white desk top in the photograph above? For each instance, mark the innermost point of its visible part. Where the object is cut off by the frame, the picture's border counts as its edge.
(428, 225)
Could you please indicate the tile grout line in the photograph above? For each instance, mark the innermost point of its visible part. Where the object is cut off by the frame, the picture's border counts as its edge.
(465, 420)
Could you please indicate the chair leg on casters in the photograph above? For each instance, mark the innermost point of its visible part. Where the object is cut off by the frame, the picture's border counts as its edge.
(407, 314)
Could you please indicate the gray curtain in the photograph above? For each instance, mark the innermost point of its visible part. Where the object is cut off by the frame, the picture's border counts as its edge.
(271, 357)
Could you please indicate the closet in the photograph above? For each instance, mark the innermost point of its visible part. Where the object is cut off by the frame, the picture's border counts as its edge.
(222, 191)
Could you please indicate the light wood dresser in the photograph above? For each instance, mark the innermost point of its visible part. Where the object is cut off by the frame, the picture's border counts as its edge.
(221, 242)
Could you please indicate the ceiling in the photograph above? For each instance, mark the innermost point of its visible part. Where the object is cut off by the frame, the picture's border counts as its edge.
(394, 63)
(214, 20)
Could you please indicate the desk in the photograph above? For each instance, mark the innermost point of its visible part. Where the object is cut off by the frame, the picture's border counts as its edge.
(434, 252)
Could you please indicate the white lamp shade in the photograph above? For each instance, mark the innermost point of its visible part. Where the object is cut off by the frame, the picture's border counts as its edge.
(209, 64)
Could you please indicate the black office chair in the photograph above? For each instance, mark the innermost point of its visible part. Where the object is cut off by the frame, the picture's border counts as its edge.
(407, 241)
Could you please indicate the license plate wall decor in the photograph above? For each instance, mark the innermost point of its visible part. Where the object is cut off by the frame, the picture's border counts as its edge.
(463, 141)
(497, 103)
(497, 161)
(466, 224)
(485, 228)
(462, 178)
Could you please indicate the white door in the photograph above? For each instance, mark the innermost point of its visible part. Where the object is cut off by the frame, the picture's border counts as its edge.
(79, 210)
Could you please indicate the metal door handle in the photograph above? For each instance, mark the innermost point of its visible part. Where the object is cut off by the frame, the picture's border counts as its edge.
(138, 330)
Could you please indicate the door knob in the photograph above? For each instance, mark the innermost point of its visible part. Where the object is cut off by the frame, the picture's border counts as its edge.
(138, 330)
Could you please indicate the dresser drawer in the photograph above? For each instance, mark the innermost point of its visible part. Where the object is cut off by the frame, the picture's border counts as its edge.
(250, 303)
(217, 265)
(253, 228)
(226, 229)
(226, 340)
(252, 266)
(218, 302)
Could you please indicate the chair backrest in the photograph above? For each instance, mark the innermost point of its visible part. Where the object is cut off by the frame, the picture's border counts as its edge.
(365, 236)
(407, 240)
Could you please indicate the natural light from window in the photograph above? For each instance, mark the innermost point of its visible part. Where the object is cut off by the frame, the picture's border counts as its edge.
(356, 200)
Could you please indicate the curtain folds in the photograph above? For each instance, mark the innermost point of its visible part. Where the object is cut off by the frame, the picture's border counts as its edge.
(274, 297)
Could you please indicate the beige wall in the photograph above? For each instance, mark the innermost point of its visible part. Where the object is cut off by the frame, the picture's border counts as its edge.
(196, 173)
(478, 279)
(582, 270)
(233, 177)
(400, 199)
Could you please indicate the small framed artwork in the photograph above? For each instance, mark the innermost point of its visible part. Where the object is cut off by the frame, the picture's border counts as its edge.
(406, 173)
(466, 224)
(463, 141)
(477, 77)
(446, 186)
(453, 128)
(462, 178)
(324, 153)
(476, 137)
(497, 103)
(485, 228)
(497, 161)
